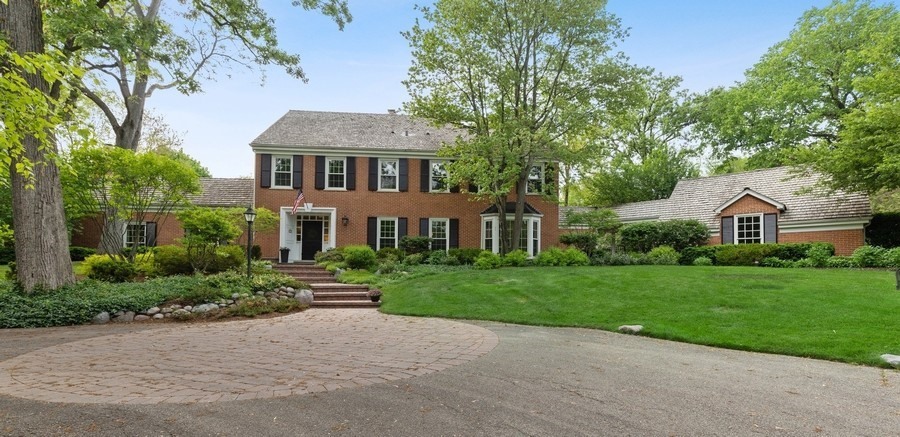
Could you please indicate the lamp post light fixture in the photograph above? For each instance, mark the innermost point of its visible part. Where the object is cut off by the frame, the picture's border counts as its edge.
(250, 216)
(345, 220)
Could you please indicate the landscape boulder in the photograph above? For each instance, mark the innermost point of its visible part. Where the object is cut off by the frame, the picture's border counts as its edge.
(630, 329)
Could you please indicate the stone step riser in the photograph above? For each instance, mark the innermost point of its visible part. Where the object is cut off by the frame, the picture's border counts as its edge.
(339, 298)
(346, 304)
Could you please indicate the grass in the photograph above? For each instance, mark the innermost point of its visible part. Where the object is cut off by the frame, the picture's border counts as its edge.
(842, 315)
(76, 266)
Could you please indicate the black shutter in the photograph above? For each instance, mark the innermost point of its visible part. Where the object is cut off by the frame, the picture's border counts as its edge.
(151, 234)
(454, 234)
(473, 188)
(423, 227)
(373, 174)
(770, 225)
(401, 227)
(265, 170)
(372, 233)
(298, 171)
(351, 173)
(726, 231)
(320, 172)
(454, 189)
(425, 176)
(404, 175)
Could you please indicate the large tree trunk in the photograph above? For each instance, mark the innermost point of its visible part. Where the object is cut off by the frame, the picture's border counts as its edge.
(42, 244)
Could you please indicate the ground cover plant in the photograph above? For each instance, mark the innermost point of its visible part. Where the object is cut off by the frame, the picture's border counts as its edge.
(843, 315)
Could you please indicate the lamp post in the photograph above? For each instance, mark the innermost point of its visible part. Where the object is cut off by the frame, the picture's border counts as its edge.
(250, 216)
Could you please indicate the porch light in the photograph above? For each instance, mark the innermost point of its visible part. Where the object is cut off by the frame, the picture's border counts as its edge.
(345, 220)
(250, 216)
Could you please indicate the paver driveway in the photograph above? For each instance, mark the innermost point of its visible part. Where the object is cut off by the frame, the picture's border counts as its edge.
(308, 352)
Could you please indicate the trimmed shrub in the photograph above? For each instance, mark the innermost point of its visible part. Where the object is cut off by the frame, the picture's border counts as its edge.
(550, 257)
(331, 255)
(390, 253)
(108, 269)
(171, 260)
(226, 258)
(689, 254)
(465, 256)
(891, 258)
(77, 253)
(772, 261)
(585, 241)
(868, 256)
(487, 260)
(359, 256)
(574, 257)
(663, 255)
(702, 261)
(516, 258)
(743, 254)
(793, 251)
(441, 258)
(840, 262)
(803, 263)
(414, 259)
(415, 244)
(614, 259)
(387, 266)
(679, 234)
(819, 253)
(256, 252)
(884, 230)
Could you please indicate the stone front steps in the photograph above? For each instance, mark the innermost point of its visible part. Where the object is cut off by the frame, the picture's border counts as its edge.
(327, 292)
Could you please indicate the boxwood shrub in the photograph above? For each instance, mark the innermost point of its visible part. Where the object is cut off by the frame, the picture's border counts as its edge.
(359, 256)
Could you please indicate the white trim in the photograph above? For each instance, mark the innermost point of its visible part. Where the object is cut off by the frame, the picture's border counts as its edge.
(288, 227)
(328, 173)
(762, 227)
(850, 224)
(446, 238)
(290, 172)
(396, 188)
(431, 164)
(378, 221)
(125, 233)
(748, 192)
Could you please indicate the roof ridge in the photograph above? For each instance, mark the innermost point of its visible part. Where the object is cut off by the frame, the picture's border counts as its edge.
(741, 173)
(386, 114)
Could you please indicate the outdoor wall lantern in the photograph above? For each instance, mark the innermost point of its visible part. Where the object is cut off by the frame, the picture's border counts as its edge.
(345, 220)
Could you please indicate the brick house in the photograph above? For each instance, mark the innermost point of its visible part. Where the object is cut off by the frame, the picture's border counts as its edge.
(158, 230)
(762, 206)
(374, 178)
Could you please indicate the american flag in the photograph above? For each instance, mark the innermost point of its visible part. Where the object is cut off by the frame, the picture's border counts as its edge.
(297, 201)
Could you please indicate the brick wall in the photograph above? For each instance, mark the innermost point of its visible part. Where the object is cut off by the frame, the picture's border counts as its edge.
(361, 203)
(168, 230)
(749, 205)
(845, 242)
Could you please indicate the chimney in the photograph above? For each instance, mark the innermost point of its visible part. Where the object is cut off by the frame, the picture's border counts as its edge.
(392, 111)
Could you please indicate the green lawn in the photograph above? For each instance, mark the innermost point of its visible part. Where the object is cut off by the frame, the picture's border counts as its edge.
(844, 315)
(76, 266)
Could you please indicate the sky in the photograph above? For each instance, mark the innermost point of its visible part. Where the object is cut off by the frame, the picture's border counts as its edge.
(708, 43)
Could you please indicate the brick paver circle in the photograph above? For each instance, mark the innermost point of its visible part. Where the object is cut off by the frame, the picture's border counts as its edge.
(313, 351)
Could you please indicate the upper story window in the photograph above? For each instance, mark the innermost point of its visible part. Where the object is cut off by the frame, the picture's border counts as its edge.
(439, 176)
(336, 173)
(387, 174)
(282, 171)
(748, 229)
(536, 179)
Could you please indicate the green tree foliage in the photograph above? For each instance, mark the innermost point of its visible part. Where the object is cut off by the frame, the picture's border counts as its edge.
(107, 184)
(205, 230)
(140, 47)
(644, 139)
(521, 76)
(827, 95)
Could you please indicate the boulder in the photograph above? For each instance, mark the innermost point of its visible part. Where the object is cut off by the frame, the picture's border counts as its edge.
(180, 312)
(159, 316)
(101, 318)
(305, 297)
(205, 308)
(630, 329)
(893, 360)
(188, 308)
(153, 311)
(128, 316)
(141, 318)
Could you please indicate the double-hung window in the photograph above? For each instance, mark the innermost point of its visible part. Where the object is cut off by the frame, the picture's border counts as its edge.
(135, 234)
(439, 230)
(536, 179)
(529, 237)
(281, 176)
(387, 233)
(439, 176)
(336, 173)
(388, 170)
(748, 229)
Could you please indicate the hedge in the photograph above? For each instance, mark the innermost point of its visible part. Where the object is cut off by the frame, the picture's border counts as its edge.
(884, 230)
(678, 234)
(753, 254)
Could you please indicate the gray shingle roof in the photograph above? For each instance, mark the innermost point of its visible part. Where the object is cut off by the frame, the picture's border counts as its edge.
(343, 130)
(698, 198)
(511, 209)
(224, 192)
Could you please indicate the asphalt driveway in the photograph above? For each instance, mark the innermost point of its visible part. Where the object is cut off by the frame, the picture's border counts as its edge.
(487, 379)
